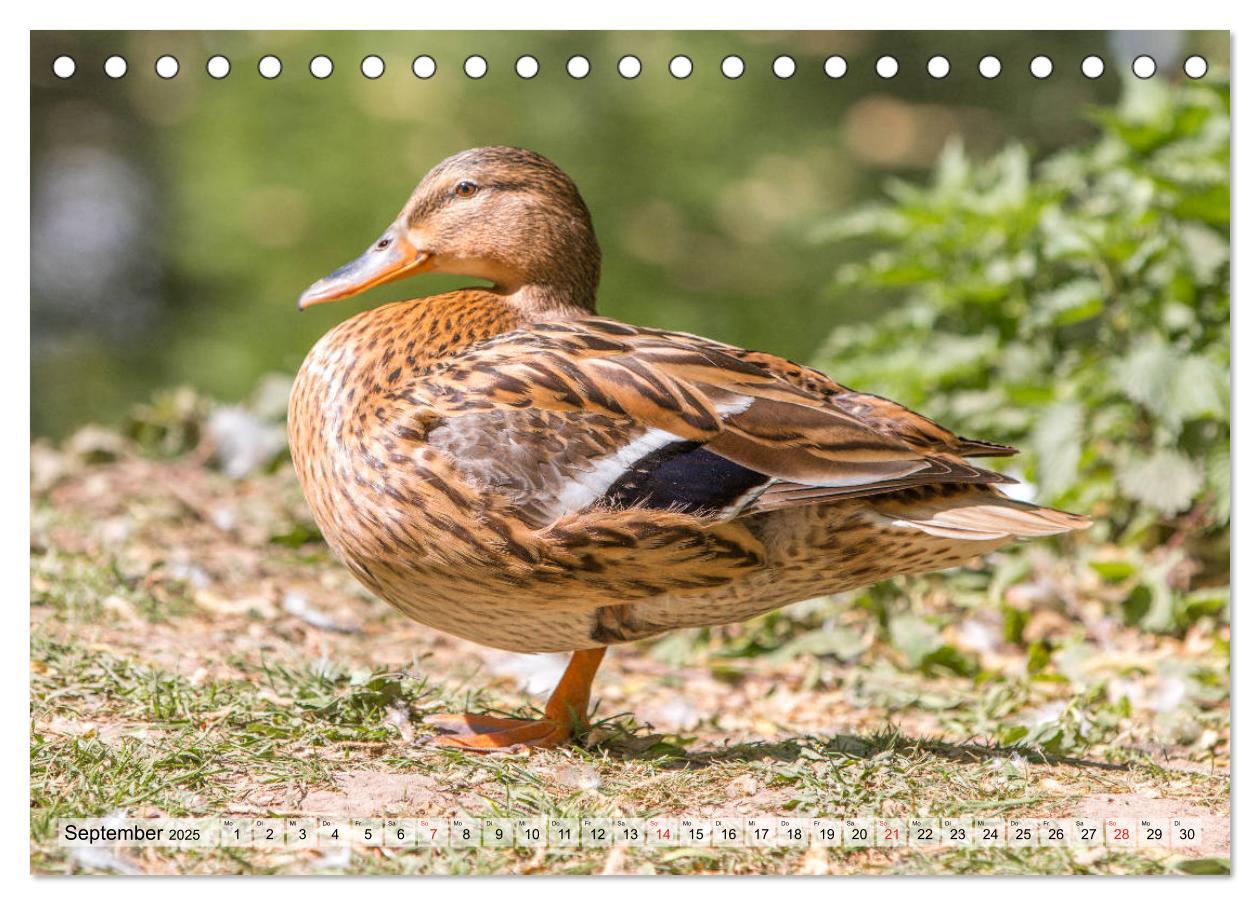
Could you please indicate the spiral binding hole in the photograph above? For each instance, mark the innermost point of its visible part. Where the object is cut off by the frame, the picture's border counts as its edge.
(526, 66)
(1144, 66)
(423, 66)
(270, 67)
(218, 66)
(680, 67)
(321, 67)
(1092, 66)
(166, 66)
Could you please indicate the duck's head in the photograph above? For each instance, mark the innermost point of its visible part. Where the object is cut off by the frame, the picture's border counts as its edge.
(506, 215)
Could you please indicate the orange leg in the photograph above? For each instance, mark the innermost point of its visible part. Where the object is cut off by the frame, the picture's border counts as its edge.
(566, 710)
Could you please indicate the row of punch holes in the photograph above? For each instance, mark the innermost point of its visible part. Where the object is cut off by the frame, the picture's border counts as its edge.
(629, 66)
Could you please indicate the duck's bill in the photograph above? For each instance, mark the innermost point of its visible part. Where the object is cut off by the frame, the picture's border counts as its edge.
(390, 258)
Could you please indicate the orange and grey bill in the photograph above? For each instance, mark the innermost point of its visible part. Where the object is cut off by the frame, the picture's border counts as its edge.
(390, 258)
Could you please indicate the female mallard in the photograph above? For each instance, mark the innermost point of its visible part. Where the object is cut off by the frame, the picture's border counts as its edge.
(504, 465)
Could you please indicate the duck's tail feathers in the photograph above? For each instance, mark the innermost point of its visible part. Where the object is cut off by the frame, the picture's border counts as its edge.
(980, 514)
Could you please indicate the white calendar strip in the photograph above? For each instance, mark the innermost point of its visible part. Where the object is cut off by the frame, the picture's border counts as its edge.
(650, 832)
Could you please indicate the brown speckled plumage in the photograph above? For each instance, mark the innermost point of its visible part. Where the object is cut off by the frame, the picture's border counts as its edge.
(504, 465)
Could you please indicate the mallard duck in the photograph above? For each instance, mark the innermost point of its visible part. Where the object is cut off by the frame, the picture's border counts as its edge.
(505, 465)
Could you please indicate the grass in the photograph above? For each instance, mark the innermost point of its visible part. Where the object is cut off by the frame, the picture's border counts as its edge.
(173, 674)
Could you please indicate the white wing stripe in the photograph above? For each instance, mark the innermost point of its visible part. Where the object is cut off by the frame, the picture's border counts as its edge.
(585, 488)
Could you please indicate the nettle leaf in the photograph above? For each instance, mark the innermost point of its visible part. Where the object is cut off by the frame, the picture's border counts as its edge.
(1178, 316)
(1011, 170)
(1211, 205)
(1113, 570)
(1005, 269)
(1166, 481)
(1069, 237)
(953, 170)
(1175, 387)
(1056, 440)
(950, 659)
(1071, 303)
(1144, 374)
(954, 354)
(867, 221)
(1206, 249)
(916, 639)
(1217, 474)
(1204, 602)
(1038, 657)
(1198, 388)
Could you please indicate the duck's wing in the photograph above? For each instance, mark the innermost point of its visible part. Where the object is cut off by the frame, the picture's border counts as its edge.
(876, 412)
(595, 414)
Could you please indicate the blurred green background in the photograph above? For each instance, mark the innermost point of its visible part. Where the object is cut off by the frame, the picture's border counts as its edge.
(175, 221)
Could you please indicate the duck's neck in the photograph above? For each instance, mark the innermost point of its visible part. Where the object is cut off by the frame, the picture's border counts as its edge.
(559, 284)
(536, 302)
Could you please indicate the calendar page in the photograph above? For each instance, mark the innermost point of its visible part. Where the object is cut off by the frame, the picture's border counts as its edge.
(478, 452)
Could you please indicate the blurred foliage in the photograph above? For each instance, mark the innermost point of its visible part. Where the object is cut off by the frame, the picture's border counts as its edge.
(170, 423)
(174, 222)
(1078, 308)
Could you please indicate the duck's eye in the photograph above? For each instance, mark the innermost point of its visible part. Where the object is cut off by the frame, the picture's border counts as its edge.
(465, 189)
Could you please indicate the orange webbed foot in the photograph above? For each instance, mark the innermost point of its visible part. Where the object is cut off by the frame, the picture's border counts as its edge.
(566, 709)
(476, 732)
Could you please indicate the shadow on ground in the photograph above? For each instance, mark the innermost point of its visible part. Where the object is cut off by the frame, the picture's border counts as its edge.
(676, 756)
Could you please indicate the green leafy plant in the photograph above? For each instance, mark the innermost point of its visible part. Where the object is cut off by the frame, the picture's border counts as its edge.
(1077, 308)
